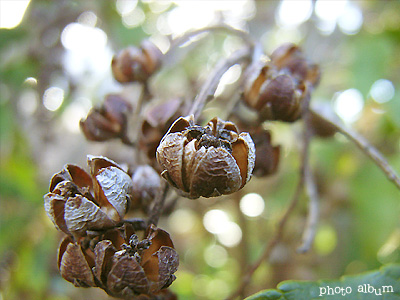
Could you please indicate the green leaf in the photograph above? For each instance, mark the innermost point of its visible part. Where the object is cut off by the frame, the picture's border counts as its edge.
(380, 284)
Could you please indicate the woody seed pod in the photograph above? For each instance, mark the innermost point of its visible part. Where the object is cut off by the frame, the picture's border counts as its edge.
(136, 64)
(136, 267)
(78, 201)
(108, 121)
(276, 88)
(206, 161)
(119, 263)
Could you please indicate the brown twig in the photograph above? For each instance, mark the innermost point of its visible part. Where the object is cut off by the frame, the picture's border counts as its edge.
(222, 28)
(365, 147)
(158, 205)
(311, 189)
(210, 85)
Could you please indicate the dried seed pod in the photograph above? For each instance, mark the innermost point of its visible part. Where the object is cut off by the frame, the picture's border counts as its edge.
(275, 95)
(276, 88)
(75, 263)
(156, 123)
(108, 121)
(136, 267)
(206, 161)
(289, 56)
(267, 155)
(146, 183)
(78, 201)
(136, 64)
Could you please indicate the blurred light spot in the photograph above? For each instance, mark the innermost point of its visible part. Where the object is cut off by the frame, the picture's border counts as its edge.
(325, 240)
(88, 18)
(215, 221)
(293, 13)
(32, 81)
(351, 20)
(81, 37)
(389, 252)
(158, 7)
(349, 104)
(199, 285)
(231, 235)
(215, 256)
(329, 10)
(28, 102)
(382, 90)
(12, 12)
(87, 51)
(190, 15)
(182, 220)
(229, 77)
(217, 289)
(134, 18)
(71, 117)
(161, 41)
(53, 98)
(252, 205)
(356, 267)
(125, 6)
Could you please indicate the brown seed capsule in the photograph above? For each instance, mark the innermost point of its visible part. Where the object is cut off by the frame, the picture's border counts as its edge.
(206, 161)
(156, 123)
(146, 182)
(136, 64)
(78, 201)
(108, 121)
(319, 126)
(290, 57)
(75, 263)
(267, 155)
(136, 267)
(277, 88)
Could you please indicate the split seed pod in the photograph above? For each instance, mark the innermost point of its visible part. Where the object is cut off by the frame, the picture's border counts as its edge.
(78, 201)
(136, 64)
(108, 121)
(206, 161)
(120, 264)
(276, 88)
(136, 267)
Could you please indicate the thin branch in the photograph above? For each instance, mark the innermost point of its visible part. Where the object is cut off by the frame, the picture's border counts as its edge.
(210, 85)
(313, 212)
(365, 147)
(222, 28)
(158, 205)
(311, 189)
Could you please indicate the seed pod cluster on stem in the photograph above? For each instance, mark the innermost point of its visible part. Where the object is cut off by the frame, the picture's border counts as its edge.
(121, 264)
(277, 87)
(206, 161)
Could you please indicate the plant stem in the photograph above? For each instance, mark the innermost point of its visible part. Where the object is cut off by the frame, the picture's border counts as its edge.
(365, 147)
(222, 28)
(158, 205)
(210, 85)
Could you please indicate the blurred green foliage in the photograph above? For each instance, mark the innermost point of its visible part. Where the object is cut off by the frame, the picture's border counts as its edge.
(359, 222)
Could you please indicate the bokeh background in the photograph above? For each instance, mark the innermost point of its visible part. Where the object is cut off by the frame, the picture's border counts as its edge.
(55, 65)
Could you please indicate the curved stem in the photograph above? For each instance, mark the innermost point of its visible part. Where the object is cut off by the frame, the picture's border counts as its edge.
(364, 145)
(210, 85)
(158, 205)
(222, 28)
